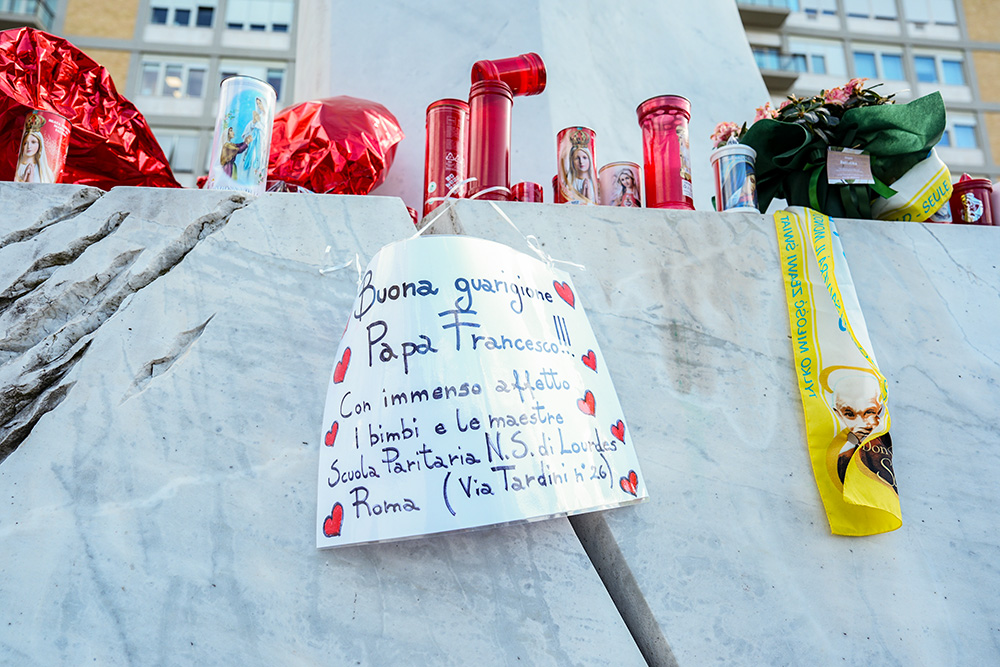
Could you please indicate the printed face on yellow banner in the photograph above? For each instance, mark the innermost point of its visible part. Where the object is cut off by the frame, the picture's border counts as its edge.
(468, 390)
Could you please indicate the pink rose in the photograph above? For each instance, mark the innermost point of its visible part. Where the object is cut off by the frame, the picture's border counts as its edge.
(723, 131)
(765, 112)
(836, 96)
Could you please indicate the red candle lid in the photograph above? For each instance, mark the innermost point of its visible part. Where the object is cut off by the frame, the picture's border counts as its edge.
(663, 104)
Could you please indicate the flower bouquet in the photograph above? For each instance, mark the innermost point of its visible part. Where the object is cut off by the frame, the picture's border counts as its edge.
(795, 142)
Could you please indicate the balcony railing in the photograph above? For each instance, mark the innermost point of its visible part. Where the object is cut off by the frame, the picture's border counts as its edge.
(33, 13)
(766, 13)
(779, 70)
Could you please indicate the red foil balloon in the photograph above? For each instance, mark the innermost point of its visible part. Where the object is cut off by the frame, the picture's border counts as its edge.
(110, 142)
(338, 145)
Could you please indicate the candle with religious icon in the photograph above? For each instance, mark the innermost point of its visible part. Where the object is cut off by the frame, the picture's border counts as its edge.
(490, 107)
(526, 191)
(665, 152)
(44, 142)
(619, 185)
(970, 201)
(577, 169)
(446, 150)
(735, 182)
(242, 143)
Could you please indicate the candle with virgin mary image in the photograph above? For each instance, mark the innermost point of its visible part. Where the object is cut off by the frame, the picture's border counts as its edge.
(619, 185)
(577, 169)
(42, 153)
(241, 147)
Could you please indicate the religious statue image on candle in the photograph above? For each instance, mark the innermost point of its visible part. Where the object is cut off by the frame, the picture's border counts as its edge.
(577, 170)
(43, 147)
(242, 143)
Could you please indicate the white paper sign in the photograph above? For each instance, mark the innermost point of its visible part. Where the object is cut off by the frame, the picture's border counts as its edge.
(468, 390)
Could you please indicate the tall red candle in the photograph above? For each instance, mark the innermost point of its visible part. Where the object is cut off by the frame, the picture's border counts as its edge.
(666, 156)
(490, 106)
(446, 152)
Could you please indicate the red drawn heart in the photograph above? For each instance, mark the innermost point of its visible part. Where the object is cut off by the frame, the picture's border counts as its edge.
(586, 404)
(333, 523)
(590, 360)
(617, 430)
(563, 290)
(629, 484)
(331, 435)
(341, 369)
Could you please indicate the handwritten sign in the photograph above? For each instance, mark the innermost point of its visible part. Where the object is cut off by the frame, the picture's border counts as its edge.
(468, 390)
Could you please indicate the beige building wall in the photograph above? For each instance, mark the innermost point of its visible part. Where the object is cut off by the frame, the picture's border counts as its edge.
(993, 130)
(983, 19)
(99, 18)
(987, 65)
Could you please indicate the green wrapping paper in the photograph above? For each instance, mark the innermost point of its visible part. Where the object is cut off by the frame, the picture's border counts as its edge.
(791, 160)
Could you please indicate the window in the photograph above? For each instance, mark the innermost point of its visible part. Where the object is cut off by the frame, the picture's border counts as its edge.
(815, 8)
(258, 15)
(864, 65)
(174, 79)
(954, 74)
(180, 149)
(182, 16)
(205, 15)
(941, 12)
(892, 67)
(871, 9)
(926, 69)
(275, 78)
(196, 82)
(150, 75)
(871, 61)
(945, 139)
(159, 16)
(965, 136)
(823, 56)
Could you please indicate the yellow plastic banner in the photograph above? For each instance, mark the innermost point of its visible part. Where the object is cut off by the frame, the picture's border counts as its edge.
(844, 395)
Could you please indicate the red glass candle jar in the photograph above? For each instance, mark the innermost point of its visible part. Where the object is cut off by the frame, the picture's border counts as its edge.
(528, 192)
(525, 74)
(666, 156)
(970, 201)
(446, 151)
(490, 106)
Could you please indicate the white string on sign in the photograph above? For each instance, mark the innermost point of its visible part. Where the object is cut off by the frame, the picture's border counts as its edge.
(532, 241)
(329, 268)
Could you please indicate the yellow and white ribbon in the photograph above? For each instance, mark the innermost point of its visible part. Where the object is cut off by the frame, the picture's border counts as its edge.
(920, 192)
(844, 396)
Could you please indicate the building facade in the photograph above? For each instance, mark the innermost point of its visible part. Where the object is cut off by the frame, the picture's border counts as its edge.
(169, 56)
(911, 47)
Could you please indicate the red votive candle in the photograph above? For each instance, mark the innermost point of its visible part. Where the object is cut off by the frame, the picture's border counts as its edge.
(525, 74)
(445, 155)
(666, 157)
(528, 192)
(970, 201)
(490, 105)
